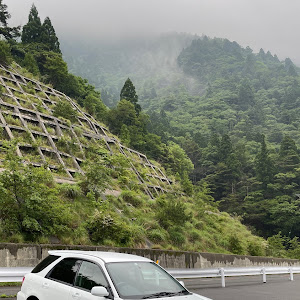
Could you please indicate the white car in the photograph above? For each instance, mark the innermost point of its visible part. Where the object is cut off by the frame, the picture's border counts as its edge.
(87, 275)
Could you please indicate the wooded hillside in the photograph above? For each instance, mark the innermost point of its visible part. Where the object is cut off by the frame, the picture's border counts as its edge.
(235, 113)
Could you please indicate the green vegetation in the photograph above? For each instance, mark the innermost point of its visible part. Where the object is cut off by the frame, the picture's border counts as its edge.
(233, 142)
(7, 32)
(36, 32)
(64, 109)
(7, 296)
(233, 112)
(128, 93)
(238, 135)
(34, 208)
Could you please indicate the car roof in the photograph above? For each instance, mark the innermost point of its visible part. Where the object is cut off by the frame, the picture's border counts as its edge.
(107, 257)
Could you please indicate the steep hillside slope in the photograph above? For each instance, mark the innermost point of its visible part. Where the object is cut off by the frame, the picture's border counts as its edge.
(94, 205)
(27, 113)
(238, 122)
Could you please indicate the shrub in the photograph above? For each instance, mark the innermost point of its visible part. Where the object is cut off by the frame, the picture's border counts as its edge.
(65, 110)
(194, 235)
(97, 177)
(156, 235)
(78, 131)
(276, 246)
(132, 198)
(5, 56)
(71, 191)
(171, 211)
(235, 245)
(41, 212)
(123, 180)
(176, 236)
(256, 249)
(104, 225)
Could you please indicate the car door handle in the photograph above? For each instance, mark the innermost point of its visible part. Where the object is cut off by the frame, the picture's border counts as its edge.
(76, 295)
(45, 285)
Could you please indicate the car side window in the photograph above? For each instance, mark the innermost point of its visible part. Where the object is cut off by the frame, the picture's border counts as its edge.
(65, 271)
(90, 275)
(45, 263)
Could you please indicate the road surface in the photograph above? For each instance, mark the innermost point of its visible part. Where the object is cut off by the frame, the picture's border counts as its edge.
(237, 288)
(278, 287)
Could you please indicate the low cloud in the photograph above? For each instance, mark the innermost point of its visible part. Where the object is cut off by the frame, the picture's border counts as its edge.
(267, 24)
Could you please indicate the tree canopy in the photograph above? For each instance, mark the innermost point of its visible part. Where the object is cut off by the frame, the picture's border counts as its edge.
(5, 31)
(128, 93)
(36, 32)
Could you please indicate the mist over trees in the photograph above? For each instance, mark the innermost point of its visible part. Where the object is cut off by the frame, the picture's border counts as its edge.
(233, 112)
(222, 119)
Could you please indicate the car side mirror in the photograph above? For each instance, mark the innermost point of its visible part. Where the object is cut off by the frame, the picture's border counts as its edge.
(99, 291)
(182, 283)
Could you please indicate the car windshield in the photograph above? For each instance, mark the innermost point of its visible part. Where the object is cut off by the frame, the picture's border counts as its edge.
(143, 280)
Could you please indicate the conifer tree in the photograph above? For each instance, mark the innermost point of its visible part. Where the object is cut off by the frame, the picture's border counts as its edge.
(262, 54)
(264, 166)
(225, 148)
(36, 32)
(128, 93)
(290, 67)
(7, 32)
(246, 95)
(288, 155)
(33, 31)
(50, 37)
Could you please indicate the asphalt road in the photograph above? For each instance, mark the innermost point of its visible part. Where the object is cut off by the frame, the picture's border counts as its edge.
(9, 291)
(237, 288)
(277, 287)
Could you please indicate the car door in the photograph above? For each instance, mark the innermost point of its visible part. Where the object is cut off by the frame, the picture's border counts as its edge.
(88, 276)
(57, 283)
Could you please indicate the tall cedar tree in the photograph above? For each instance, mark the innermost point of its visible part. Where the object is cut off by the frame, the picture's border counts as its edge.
(264, 165)
(7, 32)
(36, 32)
(33, 31)
(288, 155)
(50, 37)
(246, 95)
(128, 93)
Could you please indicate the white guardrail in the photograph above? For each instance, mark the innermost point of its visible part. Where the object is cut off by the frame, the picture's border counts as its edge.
(16, 274)
(230, 272)
(13, 274)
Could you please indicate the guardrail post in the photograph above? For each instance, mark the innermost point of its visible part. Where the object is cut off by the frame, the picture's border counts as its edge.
(222, 277)
(291, 274)
(264, 275)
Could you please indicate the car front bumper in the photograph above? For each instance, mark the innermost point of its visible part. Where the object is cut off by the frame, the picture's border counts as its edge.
(21, 296)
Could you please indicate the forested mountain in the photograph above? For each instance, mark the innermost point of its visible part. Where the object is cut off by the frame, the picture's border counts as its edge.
(149, 62)
(235, 113)
(66, 178)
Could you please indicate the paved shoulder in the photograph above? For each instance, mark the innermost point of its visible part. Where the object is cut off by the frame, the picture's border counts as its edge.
(278, 287)
(9, 290)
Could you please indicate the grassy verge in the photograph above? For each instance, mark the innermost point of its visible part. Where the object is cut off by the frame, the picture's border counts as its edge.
(10, 284)
(7, 296)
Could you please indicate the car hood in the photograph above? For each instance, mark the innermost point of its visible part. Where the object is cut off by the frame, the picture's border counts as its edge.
(190, 297)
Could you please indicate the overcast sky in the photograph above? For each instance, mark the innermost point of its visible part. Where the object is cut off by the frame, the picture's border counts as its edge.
(269, 24)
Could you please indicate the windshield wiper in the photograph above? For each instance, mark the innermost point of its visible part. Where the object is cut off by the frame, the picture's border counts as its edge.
(163, 294)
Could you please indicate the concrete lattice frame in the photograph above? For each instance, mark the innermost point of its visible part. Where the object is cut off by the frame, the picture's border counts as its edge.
(26, 112)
